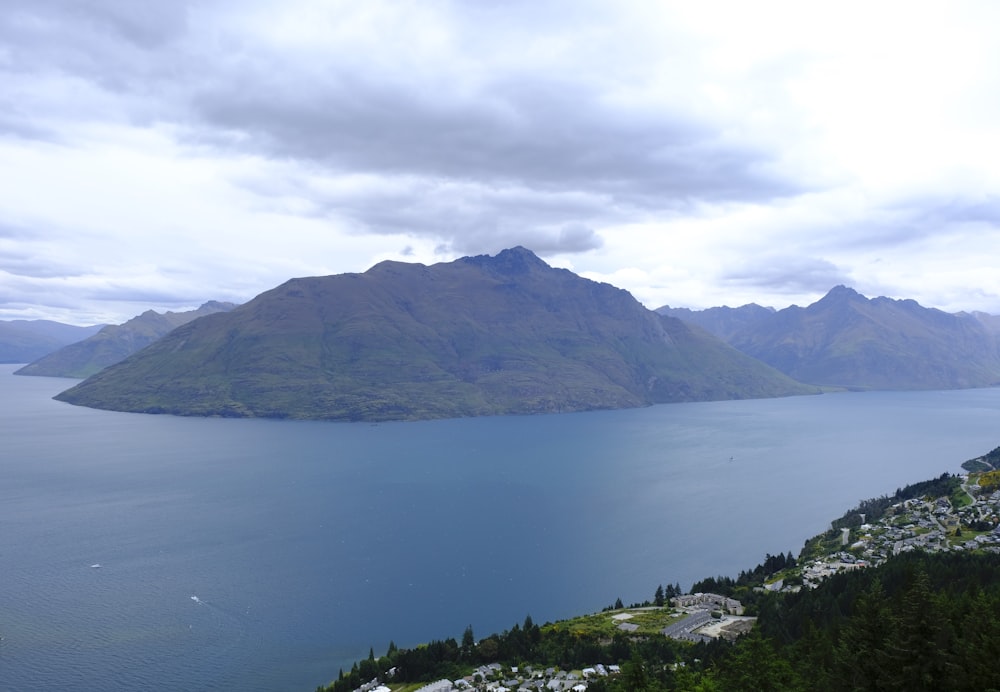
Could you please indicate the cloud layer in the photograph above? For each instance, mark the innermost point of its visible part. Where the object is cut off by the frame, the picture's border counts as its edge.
(162, 155)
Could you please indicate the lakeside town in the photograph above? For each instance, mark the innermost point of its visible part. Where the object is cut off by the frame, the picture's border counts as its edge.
(967, 520)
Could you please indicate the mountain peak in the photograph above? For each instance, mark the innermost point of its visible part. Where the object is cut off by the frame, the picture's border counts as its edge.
(217, 305)
(846, 339)
(515, 260)
(840, 293)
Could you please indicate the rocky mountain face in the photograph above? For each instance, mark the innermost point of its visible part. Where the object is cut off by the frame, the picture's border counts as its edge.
(478, 336)
(848, 340)
(22, 341)
(114, 343)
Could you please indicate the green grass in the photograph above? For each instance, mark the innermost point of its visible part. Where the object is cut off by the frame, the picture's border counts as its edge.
(825, 544)
(960, 498)
(649, 620)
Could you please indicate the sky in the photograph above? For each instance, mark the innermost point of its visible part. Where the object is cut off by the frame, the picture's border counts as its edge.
(157, 155)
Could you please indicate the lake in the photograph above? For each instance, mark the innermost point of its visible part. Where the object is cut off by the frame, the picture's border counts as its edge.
(167, 553)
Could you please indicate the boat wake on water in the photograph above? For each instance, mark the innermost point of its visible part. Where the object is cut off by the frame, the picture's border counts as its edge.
(235, 623)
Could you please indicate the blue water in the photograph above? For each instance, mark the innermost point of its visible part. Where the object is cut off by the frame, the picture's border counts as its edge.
(266, 555)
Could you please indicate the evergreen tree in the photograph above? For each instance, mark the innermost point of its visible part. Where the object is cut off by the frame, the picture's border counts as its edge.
(755, 665)
(919, 656)
(861, 655)
(633, 675)
(979, 643)
(468, 643)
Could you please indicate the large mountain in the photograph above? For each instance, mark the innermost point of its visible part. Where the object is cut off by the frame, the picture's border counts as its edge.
(477, 336)
(115, 343)
(22, 341)
(846, 339)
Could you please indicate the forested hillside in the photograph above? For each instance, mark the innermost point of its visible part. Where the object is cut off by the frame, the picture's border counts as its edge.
(917, 621)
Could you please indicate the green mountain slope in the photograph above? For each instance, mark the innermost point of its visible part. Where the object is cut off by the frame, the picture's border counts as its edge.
(115, 342)
(847, 340)
(478, 336)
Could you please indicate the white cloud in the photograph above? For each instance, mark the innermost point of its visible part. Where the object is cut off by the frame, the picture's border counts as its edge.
(694, 153)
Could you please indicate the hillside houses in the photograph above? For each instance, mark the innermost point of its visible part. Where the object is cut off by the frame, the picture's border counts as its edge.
(497, 678)
(919, 524)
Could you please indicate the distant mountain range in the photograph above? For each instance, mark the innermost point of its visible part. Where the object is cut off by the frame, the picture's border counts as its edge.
(114, 343)
(22, 341)
(478, 336)
(848, 340)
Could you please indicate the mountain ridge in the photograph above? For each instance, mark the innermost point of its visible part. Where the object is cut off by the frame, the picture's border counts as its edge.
(478, 336)
(22, 341)
(845, 339)
(114, 343)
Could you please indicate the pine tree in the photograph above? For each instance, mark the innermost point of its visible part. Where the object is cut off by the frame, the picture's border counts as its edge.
(920, 655)
(754, 665)
(861, 657)
(468, 643)
(633, 675)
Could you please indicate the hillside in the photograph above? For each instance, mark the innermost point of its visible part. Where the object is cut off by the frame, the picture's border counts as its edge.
(478, 336)
(114, 343)
(904, 604)
(724, 322)
(22, 341)
(848, 340)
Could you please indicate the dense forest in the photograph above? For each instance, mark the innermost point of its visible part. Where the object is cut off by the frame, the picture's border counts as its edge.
(919, 622)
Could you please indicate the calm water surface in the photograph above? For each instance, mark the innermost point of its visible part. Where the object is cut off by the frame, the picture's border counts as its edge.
(163, 553)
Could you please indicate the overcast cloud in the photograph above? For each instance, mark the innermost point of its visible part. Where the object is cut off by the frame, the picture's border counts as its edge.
(161, 154)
